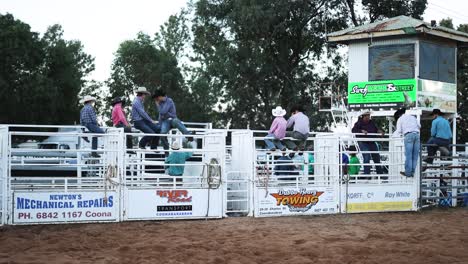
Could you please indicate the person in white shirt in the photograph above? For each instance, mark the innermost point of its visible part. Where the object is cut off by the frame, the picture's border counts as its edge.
(409, 126)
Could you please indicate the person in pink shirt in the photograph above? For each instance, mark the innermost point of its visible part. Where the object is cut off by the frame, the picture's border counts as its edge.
(119, 119)
(277, 130)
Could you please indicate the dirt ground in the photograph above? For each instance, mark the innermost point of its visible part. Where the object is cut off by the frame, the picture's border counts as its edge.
(437, 236)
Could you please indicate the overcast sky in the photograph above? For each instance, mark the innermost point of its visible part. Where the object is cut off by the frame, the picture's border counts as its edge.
(101, 25)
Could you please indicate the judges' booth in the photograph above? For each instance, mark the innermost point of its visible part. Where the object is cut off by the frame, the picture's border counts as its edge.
(154, 189)
(394, 63)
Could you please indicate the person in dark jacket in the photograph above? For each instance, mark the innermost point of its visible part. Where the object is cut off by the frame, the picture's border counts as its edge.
(365, 125)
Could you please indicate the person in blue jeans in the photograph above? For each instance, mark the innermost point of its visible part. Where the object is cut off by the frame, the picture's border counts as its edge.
(88, 119)
(364, 126)
(441, 134)
(143, 122)
(409, 126)
(168, 116)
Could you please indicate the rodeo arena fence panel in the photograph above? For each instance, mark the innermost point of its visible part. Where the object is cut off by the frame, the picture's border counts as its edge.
(51, 174)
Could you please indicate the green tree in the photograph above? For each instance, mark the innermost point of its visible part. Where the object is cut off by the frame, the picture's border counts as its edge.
(40, 78)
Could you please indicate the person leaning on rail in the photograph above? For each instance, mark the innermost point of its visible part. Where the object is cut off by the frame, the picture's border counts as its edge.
(88, 119)
(119, 119)
(366, 125)
(143, 121)
(408, 126)
(441, 135)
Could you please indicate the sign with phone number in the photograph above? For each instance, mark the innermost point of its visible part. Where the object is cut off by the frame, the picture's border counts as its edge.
(64, 207)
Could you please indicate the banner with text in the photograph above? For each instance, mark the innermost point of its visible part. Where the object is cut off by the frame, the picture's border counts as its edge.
(382, 94)
(295, 201)
(51, 207)
(173, 203)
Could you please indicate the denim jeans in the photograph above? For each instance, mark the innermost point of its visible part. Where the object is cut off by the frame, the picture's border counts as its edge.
(431, 150)
(149, 128)
(370, 146)
(302, 138)
(412, 148)
(128, 138)
(93, 128)
(272, 142)
(166, 125)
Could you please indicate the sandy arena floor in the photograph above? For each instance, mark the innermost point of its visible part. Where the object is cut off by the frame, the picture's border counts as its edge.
(438, 236)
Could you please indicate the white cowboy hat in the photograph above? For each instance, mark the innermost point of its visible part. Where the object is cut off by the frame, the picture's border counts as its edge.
(87, 98)
(278, 111)
(367, 112)
(142, 90)
(175, 145)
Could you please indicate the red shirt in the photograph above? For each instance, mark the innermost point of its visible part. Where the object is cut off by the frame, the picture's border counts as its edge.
(118, 115)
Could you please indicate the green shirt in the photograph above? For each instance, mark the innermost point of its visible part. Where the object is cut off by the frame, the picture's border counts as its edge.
(177, 158)
(354, 169)
(311, 161)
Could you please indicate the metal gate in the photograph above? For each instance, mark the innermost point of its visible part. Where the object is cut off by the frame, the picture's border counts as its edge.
(3, 174)
(69, 183)
(150, 192)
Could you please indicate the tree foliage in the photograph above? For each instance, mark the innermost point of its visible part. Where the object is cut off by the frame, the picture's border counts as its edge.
(40, 78)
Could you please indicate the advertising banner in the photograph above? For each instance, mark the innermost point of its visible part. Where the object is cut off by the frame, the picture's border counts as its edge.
(295, 201)
(382, 94)
(434, 94)
(380, 198)
(39, 207)
(173, 203)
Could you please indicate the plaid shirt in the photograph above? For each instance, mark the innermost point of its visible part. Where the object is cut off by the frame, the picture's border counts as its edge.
(87, 115)
(138, 111)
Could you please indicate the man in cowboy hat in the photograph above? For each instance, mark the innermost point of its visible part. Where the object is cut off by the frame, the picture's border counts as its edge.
(119, 119)
(143, 121)
(277, 130)
(167, 116)
(88, 119)
(177, 158)
(409, 126)
(366, 125)
(441, 134)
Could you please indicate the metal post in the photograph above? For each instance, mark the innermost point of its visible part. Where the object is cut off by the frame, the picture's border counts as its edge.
(454, 152)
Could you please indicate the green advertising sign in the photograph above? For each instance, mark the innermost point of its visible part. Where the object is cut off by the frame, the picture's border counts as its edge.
(382, 94)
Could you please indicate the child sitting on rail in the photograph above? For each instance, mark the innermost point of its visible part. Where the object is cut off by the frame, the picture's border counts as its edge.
(178, 158)
(277, 130)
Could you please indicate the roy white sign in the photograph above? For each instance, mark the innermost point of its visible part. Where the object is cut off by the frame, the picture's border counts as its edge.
(65, 207)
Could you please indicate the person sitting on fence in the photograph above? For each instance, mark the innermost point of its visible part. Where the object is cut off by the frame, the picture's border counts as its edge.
(301, 128)
(441, 135)
(178, 158)
(408, 126)
(277, 130)
(354, 163)
(143, 121)
(119, 119)
(168, 116)
(88, 119)
(364, 126)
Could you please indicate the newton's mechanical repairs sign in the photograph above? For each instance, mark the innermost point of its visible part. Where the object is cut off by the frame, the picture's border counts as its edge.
(294, 201)
(65, 207)
(382, 94)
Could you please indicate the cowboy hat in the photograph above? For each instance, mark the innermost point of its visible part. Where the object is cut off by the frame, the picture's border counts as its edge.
(365, 113)
(142, 90)
(175, 145)
(117, 100)
(87, 98)
(278, 111)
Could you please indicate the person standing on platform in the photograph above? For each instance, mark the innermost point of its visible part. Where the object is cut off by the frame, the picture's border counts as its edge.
(409, 126)
(364, 126)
